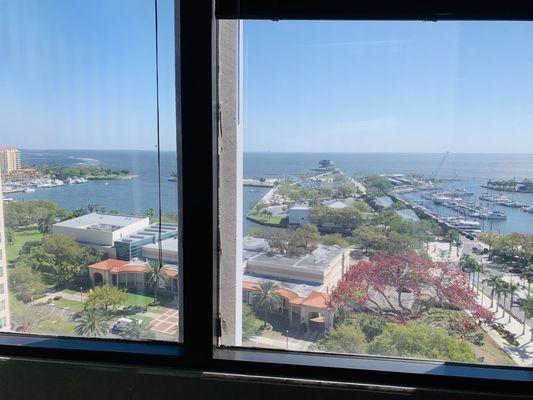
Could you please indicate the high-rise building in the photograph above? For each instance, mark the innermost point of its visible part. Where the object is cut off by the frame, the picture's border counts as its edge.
(4, 303)
(9, 160)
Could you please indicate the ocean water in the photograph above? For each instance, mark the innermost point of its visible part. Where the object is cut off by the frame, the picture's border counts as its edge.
(468, 171)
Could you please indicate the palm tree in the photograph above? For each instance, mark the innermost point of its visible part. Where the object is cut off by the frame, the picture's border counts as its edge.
(266, 298)
(527, 308)
(137, 329)
(493, 282)
(504, 289)
(513, 287)
(78, 212)
(479, 269)
(92, 323)
(527, 275)
(45, 224)
(453, 236)
(499, 288)
(156, 275)
(468, 264)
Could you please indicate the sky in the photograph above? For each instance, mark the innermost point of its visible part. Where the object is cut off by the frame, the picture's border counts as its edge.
(388, 86)
(80, 75)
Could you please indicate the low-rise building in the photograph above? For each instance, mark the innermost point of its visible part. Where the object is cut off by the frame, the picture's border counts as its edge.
(101, 231)
(169, 250)
(133, 246)
(131, 275)
(305, 282)
(299, 214)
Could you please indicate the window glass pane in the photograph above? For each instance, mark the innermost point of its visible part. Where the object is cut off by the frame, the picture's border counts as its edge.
(387, 195)
(86, 252)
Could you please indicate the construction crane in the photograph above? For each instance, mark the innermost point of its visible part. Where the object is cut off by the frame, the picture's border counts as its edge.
(434, 176)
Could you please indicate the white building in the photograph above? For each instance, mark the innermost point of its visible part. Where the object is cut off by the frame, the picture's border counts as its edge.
(169, 251)
(4, 303)
(100, 230)
(299, 214)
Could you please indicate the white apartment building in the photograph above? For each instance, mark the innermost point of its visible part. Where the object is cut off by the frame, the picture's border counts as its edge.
(5, 322)
(9, 160)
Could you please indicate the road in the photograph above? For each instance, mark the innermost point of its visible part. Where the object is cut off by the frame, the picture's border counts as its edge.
(498, 270)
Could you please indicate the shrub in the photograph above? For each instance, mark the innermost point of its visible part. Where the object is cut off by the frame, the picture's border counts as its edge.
(250, 323)
(345, 338)
(421, 341)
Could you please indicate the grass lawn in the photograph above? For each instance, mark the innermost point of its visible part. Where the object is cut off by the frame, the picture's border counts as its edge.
(72, 305)
(138, 300)
(20, 239)
(266, 219)
(492, 353)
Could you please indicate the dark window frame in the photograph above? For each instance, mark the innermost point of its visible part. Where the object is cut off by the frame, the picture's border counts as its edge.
(195, 34)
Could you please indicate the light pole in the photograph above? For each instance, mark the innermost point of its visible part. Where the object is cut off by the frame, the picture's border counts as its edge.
(287, 334)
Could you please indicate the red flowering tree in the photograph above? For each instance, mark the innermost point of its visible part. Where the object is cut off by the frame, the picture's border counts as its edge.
(404, 286)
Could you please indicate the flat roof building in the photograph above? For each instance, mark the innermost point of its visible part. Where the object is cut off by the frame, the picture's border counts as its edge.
(9, 160)
(101, 231)
(305, 282)
(131, 246)
(169, 250)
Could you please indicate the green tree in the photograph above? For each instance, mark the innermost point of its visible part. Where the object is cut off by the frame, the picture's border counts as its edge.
(26, 284)
(493, 282)
(78, 212)
(149, 213)
(45, 224)
(105, 297)
(344, 338)
(92, 323)
(156, 275)
(137, 329)
(10, 237)
(370, 325)
(469, 265)
(266, 298)
(512, 288)
(250, 323)
(418, 340)
(527, 308)
(94, 207)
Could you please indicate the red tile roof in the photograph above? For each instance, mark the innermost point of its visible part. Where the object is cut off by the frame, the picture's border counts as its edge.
(315, 299)
(118, 266)
(108, 265)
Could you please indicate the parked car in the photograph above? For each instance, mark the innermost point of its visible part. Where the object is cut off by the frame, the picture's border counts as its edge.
(518, 302)
(121, 325)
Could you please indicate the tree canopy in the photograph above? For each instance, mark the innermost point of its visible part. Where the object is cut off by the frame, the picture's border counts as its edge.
(404, 286)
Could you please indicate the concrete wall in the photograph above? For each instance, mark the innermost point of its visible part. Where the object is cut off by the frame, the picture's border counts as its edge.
(101, 238)
(4, 314)
(300, 217)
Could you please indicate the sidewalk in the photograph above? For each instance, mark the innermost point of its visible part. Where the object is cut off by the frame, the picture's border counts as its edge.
(522, 355)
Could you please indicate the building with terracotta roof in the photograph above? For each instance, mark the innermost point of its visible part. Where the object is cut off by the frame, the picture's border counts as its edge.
(304, 281)
(131, 275)
(9, 160)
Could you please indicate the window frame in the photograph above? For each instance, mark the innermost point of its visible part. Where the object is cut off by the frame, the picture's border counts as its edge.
(197, 118)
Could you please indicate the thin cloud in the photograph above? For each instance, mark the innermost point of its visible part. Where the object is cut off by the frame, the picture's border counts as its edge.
(360, 43)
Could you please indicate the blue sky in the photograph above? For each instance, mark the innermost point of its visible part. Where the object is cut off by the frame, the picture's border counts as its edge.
(389, 86)
(79, 74)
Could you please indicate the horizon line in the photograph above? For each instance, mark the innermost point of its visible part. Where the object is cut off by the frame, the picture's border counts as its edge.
(294, 152)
